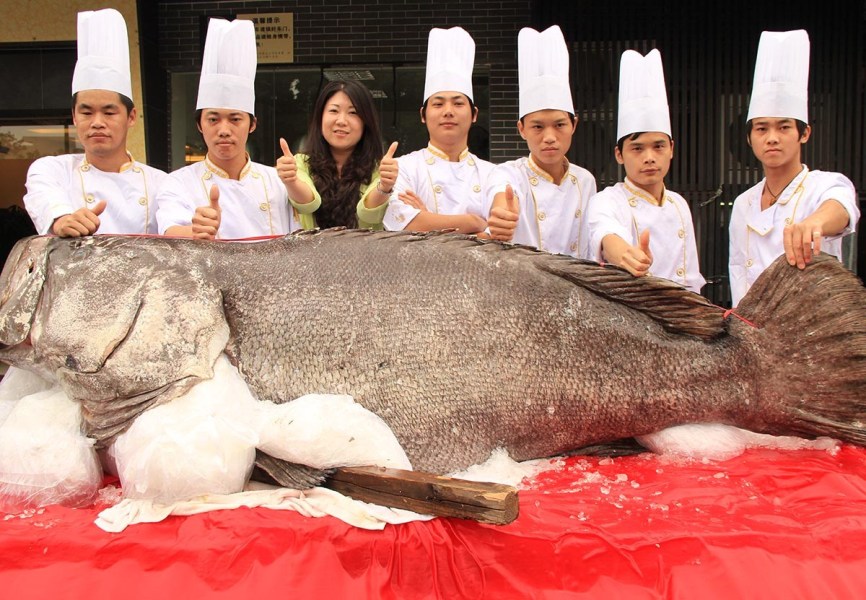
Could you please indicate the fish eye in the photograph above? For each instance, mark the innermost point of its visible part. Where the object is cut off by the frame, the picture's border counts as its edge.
(31, 266)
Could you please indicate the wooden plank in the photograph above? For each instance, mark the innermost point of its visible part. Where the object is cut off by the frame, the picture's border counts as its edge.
(426, 493)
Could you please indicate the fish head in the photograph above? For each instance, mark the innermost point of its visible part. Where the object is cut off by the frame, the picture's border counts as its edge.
(21, 287)
(120, 322)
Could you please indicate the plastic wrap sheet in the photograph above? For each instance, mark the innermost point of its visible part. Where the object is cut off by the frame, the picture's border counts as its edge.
(768, 524)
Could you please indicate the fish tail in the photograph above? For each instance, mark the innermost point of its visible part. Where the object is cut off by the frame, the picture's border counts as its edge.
(812, 339)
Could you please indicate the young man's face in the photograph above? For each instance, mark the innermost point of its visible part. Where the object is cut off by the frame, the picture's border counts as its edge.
(647, 158)
(776, 142)
(448, 117)
(102, 122)
(548, 134)
(225, 132)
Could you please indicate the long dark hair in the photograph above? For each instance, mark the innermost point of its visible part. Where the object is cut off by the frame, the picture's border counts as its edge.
(340, 194)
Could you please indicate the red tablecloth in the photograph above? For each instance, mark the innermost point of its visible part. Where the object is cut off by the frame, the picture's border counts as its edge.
(768, 524)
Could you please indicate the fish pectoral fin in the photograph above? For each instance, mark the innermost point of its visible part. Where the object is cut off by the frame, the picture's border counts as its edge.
(287, 474)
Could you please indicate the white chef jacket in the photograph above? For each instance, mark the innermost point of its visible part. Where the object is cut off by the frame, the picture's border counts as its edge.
(256, 204)
(756, 235)
(626, 210)
(552, 214)
(447, 188)
(60, 185)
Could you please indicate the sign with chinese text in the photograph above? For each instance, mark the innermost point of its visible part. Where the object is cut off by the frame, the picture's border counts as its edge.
(275, 36)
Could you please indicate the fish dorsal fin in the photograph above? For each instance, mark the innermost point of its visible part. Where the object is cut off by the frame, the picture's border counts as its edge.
(677, 309)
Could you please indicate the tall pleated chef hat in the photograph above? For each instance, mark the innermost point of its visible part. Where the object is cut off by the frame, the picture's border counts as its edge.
(781, 86)
(643, 100)
(450, 59)
(228, 69)
(103, 53)
(542, 60)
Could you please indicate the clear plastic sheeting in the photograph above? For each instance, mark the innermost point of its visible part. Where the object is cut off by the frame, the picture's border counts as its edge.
(44, 457)
(714, 441)
(328, 430)
(769, 523)
(203, 442)
(16, 384)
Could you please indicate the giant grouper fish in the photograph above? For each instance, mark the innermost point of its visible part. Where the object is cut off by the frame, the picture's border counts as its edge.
(461, 346)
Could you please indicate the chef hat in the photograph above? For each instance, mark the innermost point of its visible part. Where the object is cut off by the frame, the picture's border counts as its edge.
(643, 101)
(543, 71)
(450, 58)
(781, 86)
(228, 69)
(103, 53)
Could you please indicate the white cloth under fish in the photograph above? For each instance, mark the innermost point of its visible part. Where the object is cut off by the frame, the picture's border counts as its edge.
(316, 502)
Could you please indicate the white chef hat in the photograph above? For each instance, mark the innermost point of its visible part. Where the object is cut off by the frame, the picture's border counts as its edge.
(103, 53)
(450, 58)
(542, 60)
(781, 86)
(228, 69)
(643, 101)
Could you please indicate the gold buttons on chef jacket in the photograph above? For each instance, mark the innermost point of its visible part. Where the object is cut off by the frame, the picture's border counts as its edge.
(437, 188)
(255, 175)
(541, 216)
(632, 202)
(680, 272)
(208, 175)
(750, 262)
(681, 233)
(263, 207)
(573, 247)
(471, 162)
(89, 198)
(788, 221)
(476, 188)
(573, 178)
(142, 201)
(136, 170)
(85, 167)
(578, 213)
(430, 160)
(533, 180)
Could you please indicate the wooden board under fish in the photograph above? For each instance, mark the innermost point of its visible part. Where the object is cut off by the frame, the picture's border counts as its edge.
(426, 493)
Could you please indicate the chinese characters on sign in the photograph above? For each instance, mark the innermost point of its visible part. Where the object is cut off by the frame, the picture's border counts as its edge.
(275, 36)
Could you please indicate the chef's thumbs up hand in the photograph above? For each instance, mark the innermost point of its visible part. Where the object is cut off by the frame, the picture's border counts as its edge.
(504, 215)
(206, 220)
(287, 168)
(388, 170)
(637, 260)
(644, 240)
(83, 221)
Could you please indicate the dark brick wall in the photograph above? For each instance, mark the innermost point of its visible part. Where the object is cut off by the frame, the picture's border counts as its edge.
(349, 31)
